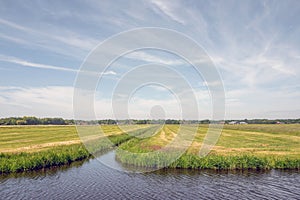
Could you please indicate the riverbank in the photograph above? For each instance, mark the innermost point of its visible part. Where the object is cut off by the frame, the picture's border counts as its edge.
(19, 162)
(239, 147)
(215, 162)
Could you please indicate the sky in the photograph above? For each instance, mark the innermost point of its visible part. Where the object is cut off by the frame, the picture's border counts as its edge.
(255, 46)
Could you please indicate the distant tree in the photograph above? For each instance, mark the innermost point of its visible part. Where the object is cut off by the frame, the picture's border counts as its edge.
(111, 121)
(21, 122)
(31, 120)
(58, 121)
(172, 121)
(206, 121)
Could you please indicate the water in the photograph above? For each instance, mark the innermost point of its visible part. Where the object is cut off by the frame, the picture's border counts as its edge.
(92, 180)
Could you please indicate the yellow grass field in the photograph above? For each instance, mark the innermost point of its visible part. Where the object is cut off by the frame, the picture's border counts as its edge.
(279, 142)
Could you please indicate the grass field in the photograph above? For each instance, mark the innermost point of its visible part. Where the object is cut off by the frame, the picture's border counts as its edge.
(25, 148)
(14, 139)
(259, 140)
(240, 146)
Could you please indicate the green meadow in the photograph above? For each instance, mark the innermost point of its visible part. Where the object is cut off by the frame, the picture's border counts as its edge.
(24, 148)
(239, 147)
(263, 146)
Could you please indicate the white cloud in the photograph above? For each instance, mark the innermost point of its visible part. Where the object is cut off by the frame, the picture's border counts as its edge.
(143, 56)
(167, 7)
(34, 65)
(262, 103)
(57, 101)
(16, 26)
(39, 101)
(51, 67)
(66, 36)
(13, 39)
(141, 108)
(65, 41)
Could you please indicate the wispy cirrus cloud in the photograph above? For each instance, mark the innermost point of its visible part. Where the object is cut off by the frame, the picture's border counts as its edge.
(46, 66)
(47, 39)
(148, 57)
(33, 65)
(168, 8)
(13, 39)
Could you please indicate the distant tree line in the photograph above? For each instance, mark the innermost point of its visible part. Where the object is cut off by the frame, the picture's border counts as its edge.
(267, 121)
(30, 120)
(174, 121)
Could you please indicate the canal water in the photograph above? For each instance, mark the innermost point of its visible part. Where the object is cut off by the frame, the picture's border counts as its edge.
(93, 180)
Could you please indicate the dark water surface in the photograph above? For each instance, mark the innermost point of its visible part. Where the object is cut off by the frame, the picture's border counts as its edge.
(92, 180)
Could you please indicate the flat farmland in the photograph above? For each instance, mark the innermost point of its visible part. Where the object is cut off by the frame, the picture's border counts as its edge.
(239, 146)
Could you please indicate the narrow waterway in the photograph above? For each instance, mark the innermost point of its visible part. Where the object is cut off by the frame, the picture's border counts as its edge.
(93, 180)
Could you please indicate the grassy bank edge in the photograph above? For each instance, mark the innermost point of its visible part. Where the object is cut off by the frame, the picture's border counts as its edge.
(216, 162)
(57, 156)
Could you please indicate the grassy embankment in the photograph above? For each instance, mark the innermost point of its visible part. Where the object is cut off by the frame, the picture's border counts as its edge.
(26, 148)
(239, 147)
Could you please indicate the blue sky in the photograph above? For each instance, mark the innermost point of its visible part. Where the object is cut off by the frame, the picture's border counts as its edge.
(255, 46)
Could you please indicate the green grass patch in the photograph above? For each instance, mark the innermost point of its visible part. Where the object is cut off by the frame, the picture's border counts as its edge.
(239, 147)
(275, 146)
(59, 155)
(217, 162)
(18, 162)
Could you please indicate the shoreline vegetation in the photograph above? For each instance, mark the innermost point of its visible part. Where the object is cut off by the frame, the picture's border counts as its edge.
(276, 146)
(214, 162)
